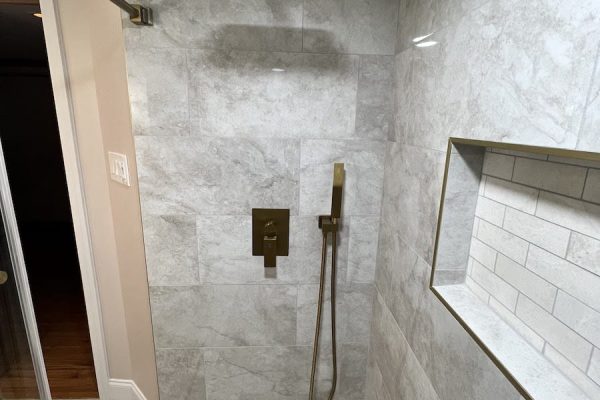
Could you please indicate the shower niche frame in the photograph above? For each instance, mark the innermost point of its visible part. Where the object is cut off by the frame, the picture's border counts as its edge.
(472, 168)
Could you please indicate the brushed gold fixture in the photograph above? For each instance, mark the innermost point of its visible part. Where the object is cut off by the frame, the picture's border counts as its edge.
(138, 14)
(329, 224)
(3, 277)
(270, 234)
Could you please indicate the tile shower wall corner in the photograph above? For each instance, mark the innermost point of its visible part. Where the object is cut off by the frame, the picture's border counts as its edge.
(507, 70)
(236, 105)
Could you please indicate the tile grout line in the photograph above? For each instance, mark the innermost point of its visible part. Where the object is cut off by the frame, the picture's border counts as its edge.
(587, 174)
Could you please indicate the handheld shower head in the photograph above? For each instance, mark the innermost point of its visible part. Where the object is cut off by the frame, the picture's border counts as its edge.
(338, 189)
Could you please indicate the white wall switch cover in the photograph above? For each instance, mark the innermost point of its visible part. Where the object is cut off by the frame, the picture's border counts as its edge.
(119, 171)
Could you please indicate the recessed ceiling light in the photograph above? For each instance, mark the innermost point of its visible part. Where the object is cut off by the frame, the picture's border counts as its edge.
(277, 69)
(39, 15)
(427, 44)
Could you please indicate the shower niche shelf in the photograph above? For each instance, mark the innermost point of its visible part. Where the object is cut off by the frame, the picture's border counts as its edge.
(517, 262)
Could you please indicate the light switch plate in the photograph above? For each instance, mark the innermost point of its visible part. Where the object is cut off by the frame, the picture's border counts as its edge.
(119, 170)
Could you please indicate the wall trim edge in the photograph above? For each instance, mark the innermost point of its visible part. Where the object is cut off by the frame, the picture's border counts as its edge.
(124, 389)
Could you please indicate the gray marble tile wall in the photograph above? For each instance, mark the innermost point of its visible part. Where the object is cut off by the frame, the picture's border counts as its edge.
(506, 70)
(545, 284)
(239, 104)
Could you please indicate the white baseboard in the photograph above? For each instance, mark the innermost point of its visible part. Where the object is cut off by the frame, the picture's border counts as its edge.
(124, 389)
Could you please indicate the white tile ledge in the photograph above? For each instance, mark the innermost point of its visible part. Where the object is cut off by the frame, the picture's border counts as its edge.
(536, 374)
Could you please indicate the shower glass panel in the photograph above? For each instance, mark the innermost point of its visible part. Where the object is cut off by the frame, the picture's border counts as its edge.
(22, 374)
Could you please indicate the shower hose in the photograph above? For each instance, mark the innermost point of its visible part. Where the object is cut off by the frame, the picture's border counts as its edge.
(320, 312)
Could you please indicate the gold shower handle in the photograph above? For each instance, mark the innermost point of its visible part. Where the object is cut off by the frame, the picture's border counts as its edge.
(270, 251)
(270, 234)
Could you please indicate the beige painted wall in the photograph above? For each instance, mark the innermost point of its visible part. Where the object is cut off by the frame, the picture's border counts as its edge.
(95, 57)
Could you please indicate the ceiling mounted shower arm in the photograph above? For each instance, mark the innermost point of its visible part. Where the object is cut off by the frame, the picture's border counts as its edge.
(138, 14)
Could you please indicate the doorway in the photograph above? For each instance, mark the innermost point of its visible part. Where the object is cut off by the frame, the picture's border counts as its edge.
(32, 152)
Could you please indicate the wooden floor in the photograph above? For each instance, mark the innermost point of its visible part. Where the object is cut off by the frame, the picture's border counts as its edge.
(62, 324)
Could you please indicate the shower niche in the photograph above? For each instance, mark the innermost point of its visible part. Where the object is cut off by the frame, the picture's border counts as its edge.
(517, 262)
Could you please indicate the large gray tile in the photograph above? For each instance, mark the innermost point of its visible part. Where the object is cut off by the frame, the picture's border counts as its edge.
(257, 25)
(269, 373)
(306, 241)
(225, 252)
(201, 175)
(464, 169)
(375, 388)
(393, 354)
(589, 135)
(238, 93)
(223, 315)
(354, 26)
(456, 231)
(401, 276)
(363, 161)
(158, 91)
(413, 185)
(352, 371)
(353, 316)
(362, 249)
(181, 374)
(375, 98)
(171, 254)
(497, 85)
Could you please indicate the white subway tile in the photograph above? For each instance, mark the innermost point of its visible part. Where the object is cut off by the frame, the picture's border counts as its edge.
(575, 161)
(566, 276)
(482, 185)
(555, 177)
(469, 266)
(505, 242)
(592, 186)
(578, 377)
(499, 289)
(574, 214)
(476, 226)
(490, 210)
(498, 165)
(579, 317)
(514, 195)
(536, 288)
(544, 234)
(520, 153)
(483, 253)
(569, 343)
(479, 291)
(594, 371)
(519, 326)
(585, 252)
